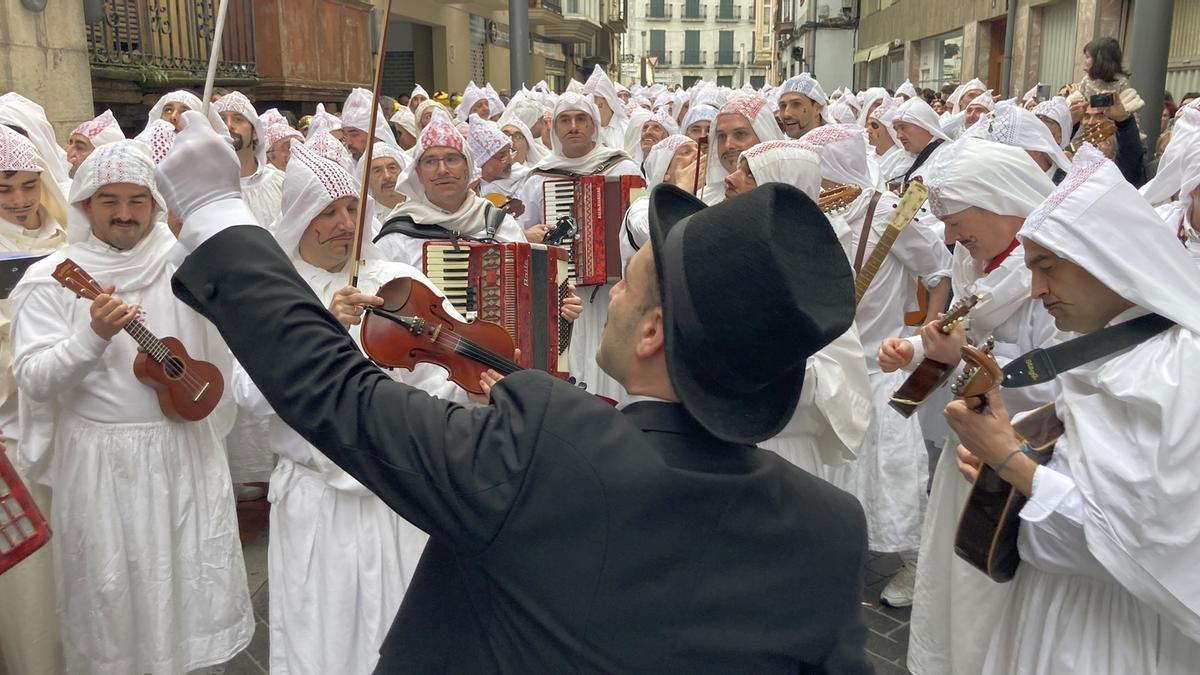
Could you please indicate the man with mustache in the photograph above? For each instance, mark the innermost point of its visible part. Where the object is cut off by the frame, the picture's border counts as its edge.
(356, 118)
(143, 514)
(920, 134)
(801, 102)
(262, 183)
(90, 135)
(576, 150)
(387, 163)
(742, 123)
(332, 612)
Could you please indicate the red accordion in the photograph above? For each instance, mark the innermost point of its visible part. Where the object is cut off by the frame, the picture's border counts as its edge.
(517, 285)
(598, 205)
(23, 530)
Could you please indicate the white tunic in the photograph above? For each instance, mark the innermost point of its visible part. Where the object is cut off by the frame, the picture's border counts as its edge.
(1175, 217)
(1105, 585)
(892, 469)
(956, 607)
(894, 162)
(263, 193)
(147, 560)
(589, 327)
(339, 560)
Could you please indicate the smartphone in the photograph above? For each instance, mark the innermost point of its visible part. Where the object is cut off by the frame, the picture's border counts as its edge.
(1043, 92)
(1101, 100)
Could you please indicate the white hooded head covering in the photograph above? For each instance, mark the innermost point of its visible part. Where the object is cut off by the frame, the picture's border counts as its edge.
(356, 114)
(120, 162)
(159, 136)
(485, 139)
(537, 151)
(885, 114)
(907, 89)
(803, 84)
(418, 92)
(17, 153)
(236, 102)
(658, 160)
(192, 102)
(1056, 110)
(1132, 422)
(426, 105)
(17, 110)
(325, 145)
(1031, 95)
(587, 163)
(524, 108)
(322, 122)
(917, 112)
(755, 109)
(472, 95)
(407, 121)
(840, 111)
(794, 162)
(272, 116)
(380, 151)
(441, 132)
(101, 130)
(310, 184)
(575, 87)
(633, 131)
(699, 112)
(1181, 151)
(273, 133)
(984, 100)
(870, 97)
(844, 153)
(999, 178)
(1011, 124)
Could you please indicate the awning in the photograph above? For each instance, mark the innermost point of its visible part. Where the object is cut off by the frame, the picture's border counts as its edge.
(862, 55)
(872, 53)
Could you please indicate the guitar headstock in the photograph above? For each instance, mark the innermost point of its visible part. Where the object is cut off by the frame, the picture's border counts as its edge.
(1099, 132)
(75, 279)
(837, 198)
(980, 374)
(914, 195)
(958, 311)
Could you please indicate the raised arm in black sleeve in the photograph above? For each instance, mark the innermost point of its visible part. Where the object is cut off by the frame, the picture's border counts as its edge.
(450, 470)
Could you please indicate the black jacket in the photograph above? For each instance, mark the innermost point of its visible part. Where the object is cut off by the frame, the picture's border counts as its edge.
(566, 536)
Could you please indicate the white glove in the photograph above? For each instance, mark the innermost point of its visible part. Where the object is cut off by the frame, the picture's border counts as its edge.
(200, 181)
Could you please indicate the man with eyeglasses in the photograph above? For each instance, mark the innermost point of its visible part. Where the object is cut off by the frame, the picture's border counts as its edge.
(501, 178)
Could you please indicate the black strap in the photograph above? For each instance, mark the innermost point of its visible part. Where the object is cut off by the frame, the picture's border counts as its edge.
(1043, 365)
(924, 155)
(410, 228)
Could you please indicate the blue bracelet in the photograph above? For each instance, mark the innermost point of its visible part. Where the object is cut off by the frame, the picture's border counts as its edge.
(1025, 449)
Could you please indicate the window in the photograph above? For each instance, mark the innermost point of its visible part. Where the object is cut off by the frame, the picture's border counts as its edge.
(758, 81)
(692, 9)
(691, 48)
(658, 43)
(725, 53)
(689, 80)
(658, 8)
(725, 81)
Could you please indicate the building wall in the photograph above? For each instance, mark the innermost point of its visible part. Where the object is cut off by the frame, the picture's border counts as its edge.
(833, 63)
(43, 55)
(745, 38)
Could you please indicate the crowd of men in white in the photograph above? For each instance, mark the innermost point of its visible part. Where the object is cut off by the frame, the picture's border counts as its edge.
(145, 572)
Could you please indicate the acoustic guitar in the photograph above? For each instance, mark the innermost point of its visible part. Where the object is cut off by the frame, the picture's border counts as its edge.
(188, 389)
(1093, 133)
(988, 525)
(930, 375)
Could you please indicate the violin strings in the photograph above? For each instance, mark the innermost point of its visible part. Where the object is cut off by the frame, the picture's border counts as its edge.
(455, 342)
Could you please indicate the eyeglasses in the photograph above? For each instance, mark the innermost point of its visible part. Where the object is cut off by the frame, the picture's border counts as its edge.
(451, 161)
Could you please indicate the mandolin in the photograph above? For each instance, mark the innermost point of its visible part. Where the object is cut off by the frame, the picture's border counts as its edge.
(930, 375)
(188, 389)
(987, 527)
(837, 198)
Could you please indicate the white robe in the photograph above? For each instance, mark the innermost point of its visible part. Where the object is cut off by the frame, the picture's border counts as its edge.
(588, 328)
(894, 162)
(956, 607)
(1082, 542)
(339, 560)
(892, 469)
(1174, 216)
(148, 563)
(263, 194)
(29, 634)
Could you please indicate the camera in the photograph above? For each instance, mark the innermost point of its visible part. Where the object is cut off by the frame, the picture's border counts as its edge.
(1043, 92)
(1101, 100)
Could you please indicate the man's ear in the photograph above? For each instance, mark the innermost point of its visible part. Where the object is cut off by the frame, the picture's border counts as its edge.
(651, 337)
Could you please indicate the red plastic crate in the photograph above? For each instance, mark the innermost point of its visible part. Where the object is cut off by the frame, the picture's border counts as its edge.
(23, 530)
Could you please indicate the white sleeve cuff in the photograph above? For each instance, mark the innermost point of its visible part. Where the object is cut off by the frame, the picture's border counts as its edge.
(89, 344)
(918, 352)
(1052, 491)
(210, 219)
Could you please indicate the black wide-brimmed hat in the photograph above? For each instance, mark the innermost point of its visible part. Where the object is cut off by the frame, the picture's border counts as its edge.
(751, 288)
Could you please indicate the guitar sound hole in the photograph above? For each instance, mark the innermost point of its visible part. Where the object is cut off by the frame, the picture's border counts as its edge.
(173, 367)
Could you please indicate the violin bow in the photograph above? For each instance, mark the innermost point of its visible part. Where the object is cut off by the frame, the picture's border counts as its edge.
(218, 32)
(356, 252)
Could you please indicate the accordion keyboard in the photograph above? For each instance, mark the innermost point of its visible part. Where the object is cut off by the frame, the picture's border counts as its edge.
(447, 268)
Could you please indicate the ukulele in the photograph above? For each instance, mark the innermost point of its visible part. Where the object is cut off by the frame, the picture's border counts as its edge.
(930, 375)
(987, 527)
(188, 389)
(837, 198)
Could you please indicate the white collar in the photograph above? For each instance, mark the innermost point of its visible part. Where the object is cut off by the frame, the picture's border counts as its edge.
(639, 398)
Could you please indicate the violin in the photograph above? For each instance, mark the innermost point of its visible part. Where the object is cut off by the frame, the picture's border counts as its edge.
(413, 327)
(188, 389)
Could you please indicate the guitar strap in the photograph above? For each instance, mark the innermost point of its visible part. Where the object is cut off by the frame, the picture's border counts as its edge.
(862, 239)
(924, 155)
(1043, 365)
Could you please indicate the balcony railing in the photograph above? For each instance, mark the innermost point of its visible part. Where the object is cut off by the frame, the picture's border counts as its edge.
(664, 59)
(663, 11)
(690, 58)
(549, 5)
(729, 12)
(172, 37)
(693, 12)
(727, 57)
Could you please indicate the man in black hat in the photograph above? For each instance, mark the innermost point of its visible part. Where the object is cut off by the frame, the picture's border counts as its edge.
(566, 535)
